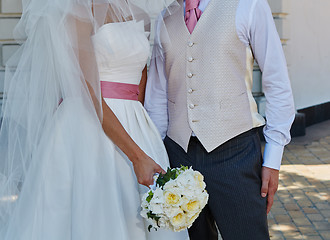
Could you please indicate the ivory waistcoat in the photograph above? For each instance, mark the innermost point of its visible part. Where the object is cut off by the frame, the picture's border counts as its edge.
(209, 78)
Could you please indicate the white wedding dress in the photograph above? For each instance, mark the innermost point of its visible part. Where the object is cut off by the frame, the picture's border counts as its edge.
(80, 186)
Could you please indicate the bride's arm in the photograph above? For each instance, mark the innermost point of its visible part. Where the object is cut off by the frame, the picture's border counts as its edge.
(144, 166)
(142, 86)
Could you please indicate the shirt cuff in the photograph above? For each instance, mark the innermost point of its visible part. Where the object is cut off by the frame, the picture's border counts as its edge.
(273, 156)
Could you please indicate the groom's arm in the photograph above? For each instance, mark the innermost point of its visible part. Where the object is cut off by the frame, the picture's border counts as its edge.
(156, 92)
(156, 89)
(280, 111)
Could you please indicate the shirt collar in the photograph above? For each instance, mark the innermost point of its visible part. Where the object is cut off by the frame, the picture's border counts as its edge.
(202, 4)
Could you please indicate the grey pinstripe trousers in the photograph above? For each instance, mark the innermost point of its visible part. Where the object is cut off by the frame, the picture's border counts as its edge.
(233, 177)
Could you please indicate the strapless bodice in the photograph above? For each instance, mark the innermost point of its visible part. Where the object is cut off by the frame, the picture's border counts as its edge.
(121, 50)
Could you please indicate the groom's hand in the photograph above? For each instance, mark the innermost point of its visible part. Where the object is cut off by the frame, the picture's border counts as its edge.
(269, 186)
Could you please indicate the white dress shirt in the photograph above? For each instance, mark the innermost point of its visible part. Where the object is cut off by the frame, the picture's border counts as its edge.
(255, 27)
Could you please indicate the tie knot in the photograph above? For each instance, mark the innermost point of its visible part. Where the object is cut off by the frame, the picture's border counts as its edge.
(191, 4)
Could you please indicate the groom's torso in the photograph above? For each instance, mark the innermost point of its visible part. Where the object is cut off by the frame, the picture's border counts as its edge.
(209, 78)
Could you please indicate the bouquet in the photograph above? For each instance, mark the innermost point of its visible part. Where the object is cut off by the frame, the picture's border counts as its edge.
(176, 201)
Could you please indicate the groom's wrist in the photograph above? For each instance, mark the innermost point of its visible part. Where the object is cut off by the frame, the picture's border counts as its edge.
(273, 156)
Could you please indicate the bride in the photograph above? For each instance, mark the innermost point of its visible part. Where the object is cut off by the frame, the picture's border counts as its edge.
(75, 139)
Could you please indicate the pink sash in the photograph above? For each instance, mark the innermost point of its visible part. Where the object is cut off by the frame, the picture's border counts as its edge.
(120, 90)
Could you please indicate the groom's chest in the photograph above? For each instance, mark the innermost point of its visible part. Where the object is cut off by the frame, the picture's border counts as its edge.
(216, 28)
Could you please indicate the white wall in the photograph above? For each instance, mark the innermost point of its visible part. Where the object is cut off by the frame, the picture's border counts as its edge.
(9, 16)
(308, 51)
(11, 6)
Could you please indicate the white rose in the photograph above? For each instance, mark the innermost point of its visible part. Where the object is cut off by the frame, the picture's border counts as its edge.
(198, 176)
(152, 222)
(189, 193)
(199, 180)
(185, 179)
(202, 185)
(172, 211)
(170, 185)
(158, 196)
(163, 222)
(156, 203)
(203, 198)
(144, 203)
(144, 212)
(156, 208)
(144, 197)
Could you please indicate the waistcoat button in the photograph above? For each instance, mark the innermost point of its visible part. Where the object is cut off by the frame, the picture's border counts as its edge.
(189, 75)
(190, 90)
(190, 59)
(191, 106)
(190, 44)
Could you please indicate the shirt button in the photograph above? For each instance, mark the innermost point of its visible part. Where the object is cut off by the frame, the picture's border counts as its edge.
(190, 59)
(190, 44)
(190, 90)
(191, 106)
(189, 75)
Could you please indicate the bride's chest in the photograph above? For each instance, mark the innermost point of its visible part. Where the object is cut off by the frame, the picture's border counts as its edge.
(121, 43)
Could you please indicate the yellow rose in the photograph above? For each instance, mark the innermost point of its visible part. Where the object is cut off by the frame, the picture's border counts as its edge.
(191, 206)
(172, 198)
(178, 229)
(178, 220)
(199, 177)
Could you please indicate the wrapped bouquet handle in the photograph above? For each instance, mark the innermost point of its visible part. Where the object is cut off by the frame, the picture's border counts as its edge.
(154, 185)
(175, 200)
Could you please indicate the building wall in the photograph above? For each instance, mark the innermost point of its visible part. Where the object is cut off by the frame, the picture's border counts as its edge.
(309, 51)
(303, 28)
(10, 12)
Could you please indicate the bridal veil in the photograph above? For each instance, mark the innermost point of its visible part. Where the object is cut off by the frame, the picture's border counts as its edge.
(55, 62)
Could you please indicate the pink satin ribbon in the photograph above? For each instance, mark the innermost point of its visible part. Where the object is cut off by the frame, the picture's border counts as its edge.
(120, 90)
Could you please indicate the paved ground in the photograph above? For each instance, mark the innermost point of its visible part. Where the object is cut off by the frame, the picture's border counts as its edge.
(301, 209)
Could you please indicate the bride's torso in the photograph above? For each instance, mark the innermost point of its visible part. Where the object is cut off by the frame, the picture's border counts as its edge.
(121, 50)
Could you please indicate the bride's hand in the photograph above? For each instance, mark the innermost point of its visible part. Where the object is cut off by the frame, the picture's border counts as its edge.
(145, 168)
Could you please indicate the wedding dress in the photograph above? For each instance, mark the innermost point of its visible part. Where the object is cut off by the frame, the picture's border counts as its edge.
(80, 186)
(129, 54)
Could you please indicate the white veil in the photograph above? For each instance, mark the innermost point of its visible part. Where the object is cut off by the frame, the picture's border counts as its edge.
(55, 62)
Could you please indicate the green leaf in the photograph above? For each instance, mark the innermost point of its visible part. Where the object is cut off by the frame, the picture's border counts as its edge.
(170, 174)
(151, 194)
(152, 216)
(149, 227)
(184, 168)
(155, 217)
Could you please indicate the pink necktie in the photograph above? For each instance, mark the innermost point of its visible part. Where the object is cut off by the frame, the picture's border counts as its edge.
(192, 14)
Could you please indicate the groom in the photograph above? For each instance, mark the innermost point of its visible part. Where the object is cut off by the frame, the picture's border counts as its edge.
(199, 96)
